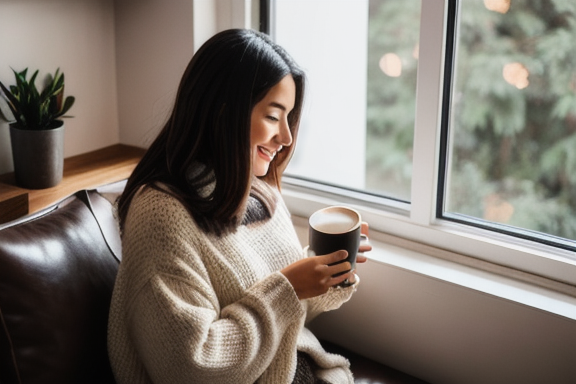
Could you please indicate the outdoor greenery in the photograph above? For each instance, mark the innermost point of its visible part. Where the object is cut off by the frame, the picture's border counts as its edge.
(512, 157)
(393, 28)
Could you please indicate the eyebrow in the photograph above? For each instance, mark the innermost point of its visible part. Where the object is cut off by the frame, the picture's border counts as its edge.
(277, 105)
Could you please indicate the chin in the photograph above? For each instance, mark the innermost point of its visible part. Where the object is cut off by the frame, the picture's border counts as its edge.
(260, 174)
(260, 171)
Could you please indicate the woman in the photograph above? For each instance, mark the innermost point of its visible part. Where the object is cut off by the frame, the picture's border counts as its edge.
(214, 286)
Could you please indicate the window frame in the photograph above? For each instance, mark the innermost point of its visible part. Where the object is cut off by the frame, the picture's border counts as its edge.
(422, 220)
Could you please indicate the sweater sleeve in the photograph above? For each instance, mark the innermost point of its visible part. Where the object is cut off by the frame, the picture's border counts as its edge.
(331, 300)
(173, 315)
(180, 338)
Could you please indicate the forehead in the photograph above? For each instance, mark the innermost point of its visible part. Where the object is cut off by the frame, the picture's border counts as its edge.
(283, 93)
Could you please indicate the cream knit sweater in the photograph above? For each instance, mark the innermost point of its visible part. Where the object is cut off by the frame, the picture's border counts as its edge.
(191, 307)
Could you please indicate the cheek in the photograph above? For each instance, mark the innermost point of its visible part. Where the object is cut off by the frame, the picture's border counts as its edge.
(254, 142)
(254, 133)
(253, 147)
(257, 133)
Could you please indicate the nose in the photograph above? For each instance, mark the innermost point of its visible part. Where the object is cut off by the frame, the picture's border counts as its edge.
(284, 136)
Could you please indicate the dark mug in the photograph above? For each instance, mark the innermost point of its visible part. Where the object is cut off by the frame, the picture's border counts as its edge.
(332, 229)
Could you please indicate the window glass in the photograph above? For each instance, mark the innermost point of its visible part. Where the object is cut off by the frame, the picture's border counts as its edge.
(512, 151)
(360, 58)
(393, 32)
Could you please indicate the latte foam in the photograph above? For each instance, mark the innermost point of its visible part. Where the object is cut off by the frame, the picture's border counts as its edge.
(334, 220)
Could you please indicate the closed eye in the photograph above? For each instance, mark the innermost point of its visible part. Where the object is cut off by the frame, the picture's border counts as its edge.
(272, 118)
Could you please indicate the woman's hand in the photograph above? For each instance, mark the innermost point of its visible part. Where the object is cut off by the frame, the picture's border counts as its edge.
(364, 247)
(364, 243)
(313, 276)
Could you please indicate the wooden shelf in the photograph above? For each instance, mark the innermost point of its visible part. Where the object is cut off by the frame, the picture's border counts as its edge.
(13, 203)
(85, 171)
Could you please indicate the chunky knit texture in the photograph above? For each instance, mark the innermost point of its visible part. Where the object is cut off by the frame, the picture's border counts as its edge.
(190, 307)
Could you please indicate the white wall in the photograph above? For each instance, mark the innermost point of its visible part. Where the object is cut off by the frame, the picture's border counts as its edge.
(155, 42)
(78, 37)
(449, 334)
(211, 16)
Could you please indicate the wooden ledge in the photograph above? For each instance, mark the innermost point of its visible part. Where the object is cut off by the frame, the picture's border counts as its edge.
(86, 171)
(13, 203)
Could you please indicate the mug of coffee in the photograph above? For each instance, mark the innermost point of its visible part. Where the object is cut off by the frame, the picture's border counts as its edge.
(332, 229)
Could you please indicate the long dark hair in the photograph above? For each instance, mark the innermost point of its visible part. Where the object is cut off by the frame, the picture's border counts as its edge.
(208, 130)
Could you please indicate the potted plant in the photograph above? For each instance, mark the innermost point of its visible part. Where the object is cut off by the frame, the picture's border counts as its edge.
(36, 132)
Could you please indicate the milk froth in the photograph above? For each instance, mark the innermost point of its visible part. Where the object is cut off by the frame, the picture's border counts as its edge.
(334, 221)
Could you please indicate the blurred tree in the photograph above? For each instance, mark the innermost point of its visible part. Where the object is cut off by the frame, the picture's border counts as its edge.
(393, 30)
(521, 123)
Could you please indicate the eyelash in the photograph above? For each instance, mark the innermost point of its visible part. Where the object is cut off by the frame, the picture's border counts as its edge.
(272, 118)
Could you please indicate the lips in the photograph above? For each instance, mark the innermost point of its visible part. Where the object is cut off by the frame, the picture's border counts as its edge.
(266, 153)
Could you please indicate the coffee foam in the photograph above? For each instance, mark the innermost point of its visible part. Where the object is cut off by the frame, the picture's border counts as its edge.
(334, 220)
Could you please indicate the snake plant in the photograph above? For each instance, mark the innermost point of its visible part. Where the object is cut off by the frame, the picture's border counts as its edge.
(23, 105)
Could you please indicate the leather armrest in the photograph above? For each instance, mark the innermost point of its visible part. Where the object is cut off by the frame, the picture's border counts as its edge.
(56, 279)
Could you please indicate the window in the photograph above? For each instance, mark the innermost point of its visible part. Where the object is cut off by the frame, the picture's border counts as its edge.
(512, 121)
(357, 61)
(449, 125)
(328, 44)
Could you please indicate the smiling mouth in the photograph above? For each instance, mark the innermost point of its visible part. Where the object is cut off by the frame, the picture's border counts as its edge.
(268, 155)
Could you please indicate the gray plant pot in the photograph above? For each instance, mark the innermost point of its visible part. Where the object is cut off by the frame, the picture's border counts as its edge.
(38, 156)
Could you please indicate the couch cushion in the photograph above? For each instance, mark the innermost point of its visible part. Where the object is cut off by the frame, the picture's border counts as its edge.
(367, 371)
(57, 272)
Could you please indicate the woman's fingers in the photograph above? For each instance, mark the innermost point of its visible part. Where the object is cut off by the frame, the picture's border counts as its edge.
(313, 276)
(365, 229)
(349, 276)
(332, 258)
(335, 269)
(365, 245)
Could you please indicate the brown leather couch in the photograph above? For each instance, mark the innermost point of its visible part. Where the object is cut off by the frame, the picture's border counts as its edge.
(57, 271)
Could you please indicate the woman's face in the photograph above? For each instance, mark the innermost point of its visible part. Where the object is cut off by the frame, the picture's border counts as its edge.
(269, 130)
